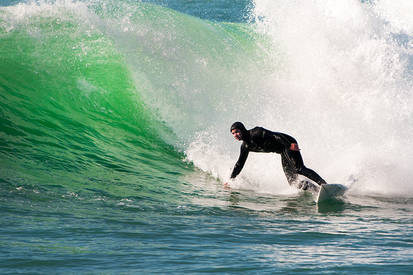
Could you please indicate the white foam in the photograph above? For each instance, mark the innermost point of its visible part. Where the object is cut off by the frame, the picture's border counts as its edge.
(344, 91)
(24, 13)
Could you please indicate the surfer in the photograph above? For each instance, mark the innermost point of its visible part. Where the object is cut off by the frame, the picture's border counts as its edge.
(259, 139)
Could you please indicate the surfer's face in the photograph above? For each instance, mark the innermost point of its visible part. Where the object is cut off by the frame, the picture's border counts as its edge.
(236, 133)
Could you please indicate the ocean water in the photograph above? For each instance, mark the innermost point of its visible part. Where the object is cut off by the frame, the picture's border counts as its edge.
(115, 143)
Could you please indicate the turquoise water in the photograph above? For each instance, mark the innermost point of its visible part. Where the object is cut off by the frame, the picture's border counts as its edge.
(114, 139)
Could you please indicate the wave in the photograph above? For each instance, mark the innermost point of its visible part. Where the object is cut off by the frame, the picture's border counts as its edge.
(121, 92)
(72, 115)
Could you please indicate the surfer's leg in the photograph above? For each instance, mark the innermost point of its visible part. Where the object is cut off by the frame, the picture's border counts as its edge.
(312, 175)
(296, 161)
(288, 167)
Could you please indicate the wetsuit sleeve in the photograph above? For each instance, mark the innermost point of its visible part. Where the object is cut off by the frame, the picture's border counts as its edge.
(241, 161)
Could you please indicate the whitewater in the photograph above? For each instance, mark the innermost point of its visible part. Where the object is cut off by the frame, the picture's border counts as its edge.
(115, 141)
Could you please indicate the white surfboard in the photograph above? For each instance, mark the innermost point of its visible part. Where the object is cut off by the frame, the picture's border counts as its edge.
(330, 192)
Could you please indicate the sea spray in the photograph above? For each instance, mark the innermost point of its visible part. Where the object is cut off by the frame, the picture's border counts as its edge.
(340, 83)
(347, 87)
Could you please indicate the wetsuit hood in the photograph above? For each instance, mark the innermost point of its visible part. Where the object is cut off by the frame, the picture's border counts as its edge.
(239, 126)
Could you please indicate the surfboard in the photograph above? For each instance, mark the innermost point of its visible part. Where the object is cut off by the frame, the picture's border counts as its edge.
(330, 192)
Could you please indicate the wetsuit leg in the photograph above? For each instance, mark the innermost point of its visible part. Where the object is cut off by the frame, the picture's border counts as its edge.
(293, 164)
(289, 170)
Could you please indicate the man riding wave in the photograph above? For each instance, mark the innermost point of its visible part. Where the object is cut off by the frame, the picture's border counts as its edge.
(262, 140)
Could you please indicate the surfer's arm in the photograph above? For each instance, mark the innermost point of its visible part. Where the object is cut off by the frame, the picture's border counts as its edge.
(241, 161)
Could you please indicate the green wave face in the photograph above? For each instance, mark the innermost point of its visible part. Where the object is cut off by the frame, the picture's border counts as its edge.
(72, 117)
(104, 95)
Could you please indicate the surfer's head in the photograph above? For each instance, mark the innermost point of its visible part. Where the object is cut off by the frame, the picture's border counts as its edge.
(239, 131)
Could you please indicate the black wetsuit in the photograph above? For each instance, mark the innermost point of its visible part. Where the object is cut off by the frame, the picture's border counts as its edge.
(259, 139)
